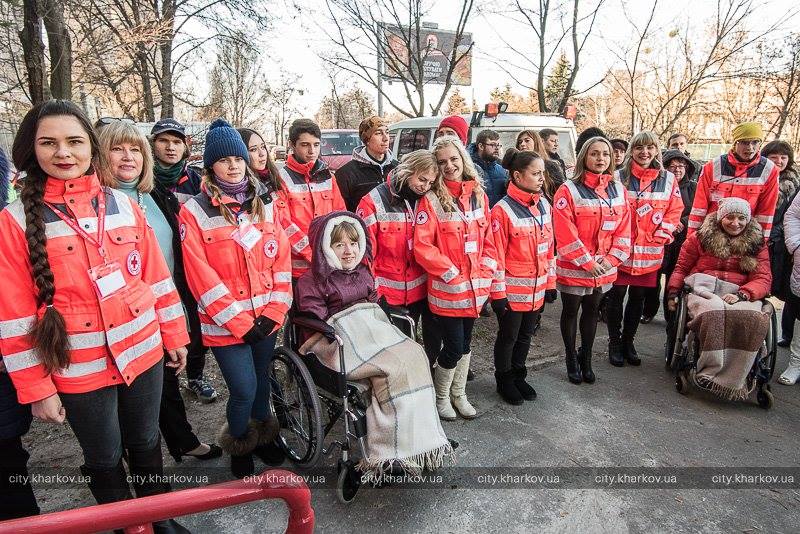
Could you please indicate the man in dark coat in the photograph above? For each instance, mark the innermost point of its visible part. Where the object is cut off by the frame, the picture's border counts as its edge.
(371, 163)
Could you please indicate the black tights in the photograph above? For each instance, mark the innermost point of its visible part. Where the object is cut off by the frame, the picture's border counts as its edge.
(624, 324)
(589, 305)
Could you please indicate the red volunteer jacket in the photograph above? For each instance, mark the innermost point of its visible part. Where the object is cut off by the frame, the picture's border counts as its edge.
(112, 341)
(655, 208)
(523, 234)
(309, 191)
(591, 221)
(390, 228)
(233, 286)
(695, 259)
(457, 251)
(726, 176)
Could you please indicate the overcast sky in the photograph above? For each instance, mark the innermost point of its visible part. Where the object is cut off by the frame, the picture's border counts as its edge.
(296, 40)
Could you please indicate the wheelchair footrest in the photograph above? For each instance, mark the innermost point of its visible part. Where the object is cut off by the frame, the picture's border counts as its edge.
(359, 422)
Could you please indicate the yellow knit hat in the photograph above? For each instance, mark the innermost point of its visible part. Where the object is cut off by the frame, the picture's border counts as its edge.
(748, 130)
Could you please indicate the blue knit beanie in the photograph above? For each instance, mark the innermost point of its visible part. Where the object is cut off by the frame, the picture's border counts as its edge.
(222, 140)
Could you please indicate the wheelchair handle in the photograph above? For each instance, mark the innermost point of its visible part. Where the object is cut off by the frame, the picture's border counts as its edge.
(315, 325)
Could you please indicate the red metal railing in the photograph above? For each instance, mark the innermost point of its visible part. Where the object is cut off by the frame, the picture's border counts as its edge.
(136, 515)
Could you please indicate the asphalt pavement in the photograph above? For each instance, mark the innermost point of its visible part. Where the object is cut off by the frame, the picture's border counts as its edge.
(627, 454)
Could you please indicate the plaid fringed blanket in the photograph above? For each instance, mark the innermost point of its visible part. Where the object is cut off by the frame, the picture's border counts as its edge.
(403, 426)
(729, 336)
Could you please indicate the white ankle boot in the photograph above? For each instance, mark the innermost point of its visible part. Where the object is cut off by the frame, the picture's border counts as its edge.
(442, 382)
(792, 372)
(458, 393)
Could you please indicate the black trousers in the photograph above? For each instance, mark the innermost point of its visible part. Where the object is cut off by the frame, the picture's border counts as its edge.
(172, 420)
(431, 336)
(624, 325)
(588, 305)
(514, 333)
(196, 357)
(16, 493)
(456, 339)
(788, 316)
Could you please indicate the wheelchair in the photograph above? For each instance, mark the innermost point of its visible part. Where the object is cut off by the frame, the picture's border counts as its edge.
(309, 399)
(682, 350)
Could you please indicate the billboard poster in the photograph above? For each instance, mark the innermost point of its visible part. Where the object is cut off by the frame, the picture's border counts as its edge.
(436, 49)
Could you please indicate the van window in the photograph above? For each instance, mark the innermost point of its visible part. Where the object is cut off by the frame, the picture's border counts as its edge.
(411, 140)
(566, 148)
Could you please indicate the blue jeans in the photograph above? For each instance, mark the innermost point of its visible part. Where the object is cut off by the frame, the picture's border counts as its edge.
(245, 369)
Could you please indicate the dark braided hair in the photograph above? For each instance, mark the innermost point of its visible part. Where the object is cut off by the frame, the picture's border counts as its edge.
(49, 334)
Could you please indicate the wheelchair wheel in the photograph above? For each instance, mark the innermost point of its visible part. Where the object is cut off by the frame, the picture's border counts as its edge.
(348, 482)
(296, 405)
(765, 397)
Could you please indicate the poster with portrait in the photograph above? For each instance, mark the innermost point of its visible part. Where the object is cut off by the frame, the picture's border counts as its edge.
(434, 50)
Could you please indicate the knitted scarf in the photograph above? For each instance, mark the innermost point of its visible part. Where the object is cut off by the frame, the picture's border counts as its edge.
(169, 176)
(237, 191)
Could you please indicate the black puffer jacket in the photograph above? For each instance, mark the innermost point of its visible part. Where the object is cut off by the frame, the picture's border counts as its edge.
(687, 187)
(361, 175)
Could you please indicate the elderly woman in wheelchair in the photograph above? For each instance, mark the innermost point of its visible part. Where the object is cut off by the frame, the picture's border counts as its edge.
(722, 274)
(403, 429)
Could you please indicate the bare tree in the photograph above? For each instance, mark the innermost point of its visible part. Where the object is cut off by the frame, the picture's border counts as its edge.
(576, 26)
(786, 82)
(281, 105)
(238, 89)
(346, 110)
(357, 30)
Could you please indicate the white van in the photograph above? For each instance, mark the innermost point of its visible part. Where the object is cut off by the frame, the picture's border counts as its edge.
(413, 134)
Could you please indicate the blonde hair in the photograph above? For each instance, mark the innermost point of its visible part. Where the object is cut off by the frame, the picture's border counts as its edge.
(117, 133)
(580, 165)
(469, 172)
(642, 139)
(415, 163)
(215, 193)
(342, 230)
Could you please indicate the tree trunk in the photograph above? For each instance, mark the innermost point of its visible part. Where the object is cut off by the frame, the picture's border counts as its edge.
(33, 50)
(60, 49)
(167, 100)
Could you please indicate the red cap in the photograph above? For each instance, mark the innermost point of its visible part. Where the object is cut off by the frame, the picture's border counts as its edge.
(458, 124)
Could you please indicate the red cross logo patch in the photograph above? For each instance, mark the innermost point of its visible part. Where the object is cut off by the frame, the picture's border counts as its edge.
(360, 212)
(182, 231)
(562, 203)
(271, 248)
(422, 217)
(657, 217)
(134, 263)
(495, 225)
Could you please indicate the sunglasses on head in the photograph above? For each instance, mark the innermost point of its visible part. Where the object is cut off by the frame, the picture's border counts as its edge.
(108, 120)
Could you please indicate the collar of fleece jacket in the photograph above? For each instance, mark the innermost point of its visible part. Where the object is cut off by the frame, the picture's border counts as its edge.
(324, 261)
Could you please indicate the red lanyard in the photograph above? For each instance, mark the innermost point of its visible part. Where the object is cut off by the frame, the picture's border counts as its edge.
(101, 223)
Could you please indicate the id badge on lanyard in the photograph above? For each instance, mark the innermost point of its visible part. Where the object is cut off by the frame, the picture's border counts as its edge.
(246, 235)
(107, 279)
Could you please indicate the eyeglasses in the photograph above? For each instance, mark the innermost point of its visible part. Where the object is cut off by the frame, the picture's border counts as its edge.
(754, 142)
(105, 121)
(494, 145)
(676, 167)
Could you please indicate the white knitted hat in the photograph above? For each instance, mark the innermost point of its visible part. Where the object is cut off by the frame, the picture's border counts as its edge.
(733, 205)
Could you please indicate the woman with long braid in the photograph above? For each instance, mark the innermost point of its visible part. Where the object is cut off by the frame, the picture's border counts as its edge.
(89, 306)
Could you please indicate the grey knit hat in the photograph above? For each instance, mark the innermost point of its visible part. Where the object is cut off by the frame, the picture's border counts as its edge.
(222, 140)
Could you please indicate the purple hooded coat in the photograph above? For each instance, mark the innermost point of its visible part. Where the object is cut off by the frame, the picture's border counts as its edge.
(326, 290)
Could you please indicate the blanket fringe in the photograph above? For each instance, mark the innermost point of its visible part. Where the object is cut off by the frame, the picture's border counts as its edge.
(725, 392)
(375, 470)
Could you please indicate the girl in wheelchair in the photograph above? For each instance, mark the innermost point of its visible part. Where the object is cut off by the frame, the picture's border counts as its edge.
(403, 429)
(726, 266)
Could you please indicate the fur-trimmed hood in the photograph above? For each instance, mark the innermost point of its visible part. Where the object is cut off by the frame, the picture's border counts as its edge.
(324, 260)
(745, 246)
